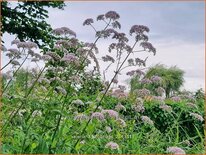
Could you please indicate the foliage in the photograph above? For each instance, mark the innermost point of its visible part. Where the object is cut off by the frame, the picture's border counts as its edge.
(26, 20)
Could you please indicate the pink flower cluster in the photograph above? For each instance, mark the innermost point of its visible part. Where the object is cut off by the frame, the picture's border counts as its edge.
(175, 150)
(112, 146)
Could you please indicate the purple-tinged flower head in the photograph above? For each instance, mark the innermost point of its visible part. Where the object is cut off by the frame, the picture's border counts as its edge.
(13, 50)
(138, 106)
(115, 81)
(121, 37)
(121, 123)
(44, 80)
(58, 31)
(160, 91)
(100, 17)
(68, 31)
(130, 73)
(147, 120)
(120, 107)
(112, 15)
(139, 72)
(131, 62)
(116, 24)
(78, 102)
(156, 79)
(158, 99)
(92, 46)
(148, 46)
(103, 34)
(31, 52)
(108, 129)
(145, 81)
(140, 62)
(142, 37)
(191, 105)
(142, 92)
(119, 93)
(112, 146)
(97, 115)
(61, 90)
(46, 57)
(108, 58)
(197, 116)
(121, 87)
(176, 98)
(70, 58)
(138, 29)
(80, 117)
(34, 60)
(10, 55)
(75, 79)
(175, 150)
(15, 63)
(110, 113)
(112, 47)
(54, 55)
(16, 41)
(165, 107)
(31, 45)
(88, 21)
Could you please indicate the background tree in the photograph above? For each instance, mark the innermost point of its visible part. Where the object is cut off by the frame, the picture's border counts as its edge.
(172, 77)
(26, 20)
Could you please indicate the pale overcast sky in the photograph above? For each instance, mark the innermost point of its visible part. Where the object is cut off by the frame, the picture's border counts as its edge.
(176, 31)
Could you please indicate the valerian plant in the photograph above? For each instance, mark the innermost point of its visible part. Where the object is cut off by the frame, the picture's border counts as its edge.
(67, 105)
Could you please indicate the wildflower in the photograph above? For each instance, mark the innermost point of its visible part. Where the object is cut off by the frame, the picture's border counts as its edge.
(110, 113)
(122, 38)
(130, 73)
(138, 106)
(31, 45)
(97, 115)
(37, 55)
(142, 92)
(80, 117)
(120, 107)
(58, 31)
(131, 62)
(197, 116)
(165, 107)
(88, 21)
(112, 15)
(115, 81)
(149, 46)
(108, 129)
(186, 142)
(34, 60)
(121, 87)
(16, 41)
(13, 50)
(15, 63)
(145, 81)
(112, 146)
(158, 98)
(68, 31)
(175, 150)
(78, 102)
(176, 98)
(61, 90)
(31, 52)
(141, 37)
(70, 57)
(139, 72)
(54, 55)
(191, 105)
(108, 58)
(138, 29)
(116, 24)
(46, 57)
(147, 120)
(121, 122)
(140, 62)
(156, 79)
(100, 17)
(160, 90)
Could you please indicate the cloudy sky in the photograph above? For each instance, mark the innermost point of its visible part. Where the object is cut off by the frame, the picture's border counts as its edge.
(176, 31)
